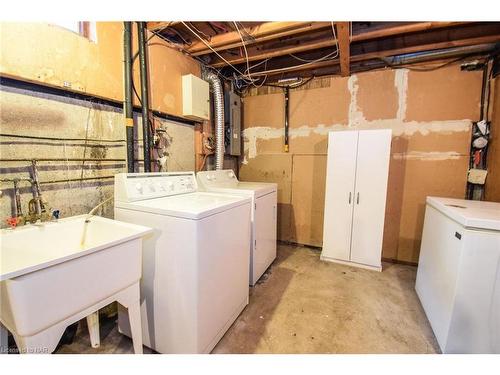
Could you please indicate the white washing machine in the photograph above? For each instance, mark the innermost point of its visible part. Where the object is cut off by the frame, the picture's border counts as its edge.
(195, 279)
(264, 206)
(458, 277)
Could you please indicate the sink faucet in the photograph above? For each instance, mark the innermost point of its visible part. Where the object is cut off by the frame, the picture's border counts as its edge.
(37, 209)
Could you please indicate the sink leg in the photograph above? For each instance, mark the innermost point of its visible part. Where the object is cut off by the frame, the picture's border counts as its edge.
(4, 340)
(93, 325)
(134, 316)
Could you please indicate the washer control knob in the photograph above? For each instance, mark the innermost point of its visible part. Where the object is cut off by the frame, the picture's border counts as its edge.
(138, 187)
(170, 185)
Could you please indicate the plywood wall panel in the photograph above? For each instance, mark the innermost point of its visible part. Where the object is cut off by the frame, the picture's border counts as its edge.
(308, 199)
(443, 94)
(263, 111)
(51, 55)
(328, 105)
(378, 95)
(422, 178)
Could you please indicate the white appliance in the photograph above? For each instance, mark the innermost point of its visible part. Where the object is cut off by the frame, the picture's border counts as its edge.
(195, 266)
(458, 277)
(356, 187)
(264, 206)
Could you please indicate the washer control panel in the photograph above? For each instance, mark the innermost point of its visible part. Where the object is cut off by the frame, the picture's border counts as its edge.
(138, 186)
(224, 177)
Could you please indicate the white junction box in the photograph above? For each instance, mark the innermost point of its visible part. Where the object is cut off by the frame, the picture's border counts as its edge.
(195, 98)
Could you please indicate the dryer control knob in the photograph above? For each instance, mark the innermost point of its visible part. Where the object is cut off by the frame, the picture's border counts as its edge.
(138, 187)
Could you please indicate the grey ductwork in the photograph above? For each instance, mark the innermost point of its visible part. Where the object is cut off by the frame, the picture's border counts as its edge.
(216, 86)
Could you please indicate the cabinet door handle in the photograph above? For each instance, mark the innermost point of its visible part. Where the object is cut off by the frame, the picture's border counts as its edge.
(357, 199)
(349, 197)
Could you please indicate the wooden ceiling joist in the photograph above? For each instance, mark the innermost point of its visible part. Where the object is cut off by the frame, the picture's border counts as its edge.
(344, 47)
(403, 29)
(263, 32)
(330, 41)
(387, 53)
(156, 26)
(279, 52)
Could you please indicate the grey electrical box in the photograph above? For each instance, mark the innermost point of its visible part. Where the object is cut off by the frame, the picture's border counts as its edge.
(232, 116)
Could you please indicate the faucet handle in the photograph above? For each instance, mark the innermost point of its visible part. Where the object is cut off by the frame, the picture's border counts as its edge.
(55, 214)
(12, 221)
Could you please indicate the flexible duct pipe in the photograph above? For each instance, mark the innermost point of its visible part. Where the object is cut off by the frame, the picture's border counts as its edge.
(216, 86)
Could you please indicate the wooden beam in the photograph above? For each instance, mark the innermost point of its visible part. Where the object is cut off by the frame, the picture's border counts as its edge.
(344, 47)
(387, 53)
(263, 32)
(328, 42)
(403, 29)
(279, 52)
(155, 26)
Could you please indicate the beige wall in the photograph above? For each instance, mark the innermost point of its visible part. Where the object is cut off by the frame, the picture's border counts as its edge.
(53, 56)
(49, 54)
(430, 114)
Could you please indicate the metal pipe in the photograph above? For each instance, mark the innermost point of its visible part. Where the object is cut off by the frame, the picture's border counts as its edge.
(412, 58)
(216, 85)
(128, 108)
(17, 199)
(143, 62)
(287, 114)
(37, 191)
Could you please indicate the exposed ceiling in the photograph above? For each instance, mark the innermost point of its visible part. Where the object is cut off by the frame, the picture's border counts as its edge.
(278, 50)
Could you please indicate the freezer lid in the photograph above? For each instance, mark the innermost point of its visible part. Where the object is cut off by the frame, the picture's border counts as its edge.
(469, 213)
(193, 206)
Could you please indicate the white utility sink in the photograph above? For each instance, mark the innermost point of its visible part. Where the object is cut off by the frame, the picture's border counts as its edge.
(54, 274)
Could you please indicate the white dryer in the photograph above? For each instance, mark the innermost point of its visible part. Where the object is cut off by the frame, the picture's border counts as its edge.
(264, 206)
(195, 279)
(458, 277)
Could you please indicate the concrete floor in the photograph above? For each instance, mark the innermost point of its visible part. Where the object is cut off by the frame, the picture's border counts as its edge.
(304, 305)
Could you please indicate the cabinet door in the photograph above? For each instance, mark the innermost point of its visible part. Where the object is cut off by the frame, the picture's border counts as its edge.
(339, 194)
(370, 194)
(265, 235)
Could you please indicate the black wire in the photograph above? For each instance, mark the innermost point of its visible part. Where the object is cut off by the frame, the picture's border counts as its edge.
(60, 139)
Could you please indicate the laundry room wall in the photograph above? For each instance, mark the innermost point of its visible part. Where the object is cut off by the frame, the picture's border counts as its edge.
(430, 114)
(38, 122)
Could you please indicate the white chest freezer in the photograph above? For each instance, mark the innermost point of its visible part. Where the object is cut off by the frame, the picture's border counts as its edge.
(458, 277)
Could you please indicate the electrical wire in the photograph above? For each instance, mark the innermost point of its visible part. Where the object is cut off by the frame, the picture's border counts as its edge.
(213, 50)
(249, 76)
(335, 53)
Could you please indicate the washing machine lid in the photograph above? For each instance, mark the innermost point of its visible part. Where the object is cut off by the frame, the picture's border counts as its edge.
(225, 181)
(256, 189)
(195, 206)
(471, 214)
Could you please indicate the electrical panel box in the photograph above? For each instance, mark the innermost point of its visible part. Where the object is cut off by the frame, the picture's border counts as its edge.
(195, 98)
(232, 118)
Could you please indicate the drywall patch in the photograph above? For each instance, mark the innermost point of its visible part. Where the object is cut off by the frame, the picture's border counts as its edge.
(427, 156)
(355, 115)
(399, 128)
(401, 83)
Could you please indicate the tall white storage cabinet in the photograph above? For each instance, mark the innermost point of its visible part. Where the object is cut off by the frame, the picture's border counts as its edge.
(356, 188)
